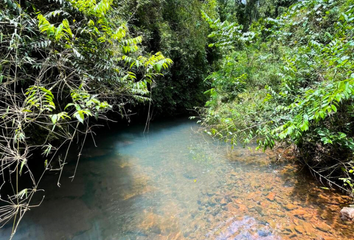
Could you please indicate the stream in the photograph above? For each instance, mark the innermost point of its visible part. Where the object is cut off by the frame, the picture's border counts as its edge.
(175, 182)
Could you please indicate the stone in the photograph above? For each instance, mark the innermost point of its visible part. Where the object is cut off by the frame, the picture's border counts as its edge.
(258, 210)
(323, 227)
(347, 214)
(290, 206)
(212, 202)
(295, 221)
(237, 201)
(232, 209)
(215, 211)
(299, 229)
(271, 196)
(263, 233)
(280, 214)
(333, 208)
(299, 213)
(324, 216)
(287, 230)
(251, 196)
(308, 228)
(210, 193)
(264, 205)
(223, 202)
(242, 207)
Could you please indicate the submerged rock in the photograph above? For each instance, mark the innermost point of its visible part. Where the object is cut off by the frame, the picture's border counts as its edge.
(290, 206)
(323, 227)
(223, 202)
(347, 214)
(300, 213)
(271, 196)
(299, 229)
(262, 233)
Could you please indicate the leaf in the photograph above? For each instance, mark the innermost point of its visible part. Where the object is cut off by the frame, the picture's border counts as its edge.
(54, 118)
(58, 32)
(68, 105)
(67, 28)
(22, 193)
(79, 116)
(334, 108)
(158, 67)
(22, 164)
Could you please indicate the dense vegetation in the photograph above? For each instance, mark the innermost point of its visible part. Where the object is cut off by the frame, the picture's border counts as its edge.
(271, 71)
(177, 29)
(63, 65)
(66, 64)
(289, 80)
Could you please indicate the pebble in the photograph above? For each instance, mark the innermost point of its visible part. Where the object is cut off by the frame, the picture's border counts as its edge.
(323, 227)
(290, 206)
(271, 196)
(299, 229)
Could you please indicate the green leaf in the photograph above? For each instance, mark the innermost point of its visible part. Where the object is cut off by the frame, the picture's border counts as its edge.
(22, 164)
(54, 118)
(58, 32)
(334, 108)
(79, 116)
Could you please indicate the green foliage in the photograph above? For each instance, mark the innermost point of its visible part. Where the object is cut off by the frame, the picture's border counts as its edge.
(299, 85)
(247, 12)
(63, 66)
(176, 28)
(40, 98)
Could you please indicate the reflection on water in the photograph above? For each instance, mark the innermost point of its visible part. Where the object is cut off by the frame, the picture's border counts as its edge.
(175, 183)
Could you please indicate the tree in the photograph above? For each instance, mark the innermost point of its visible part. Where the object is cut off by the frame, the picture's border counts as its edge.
(63, 65)
(288, 80)
(177, 29)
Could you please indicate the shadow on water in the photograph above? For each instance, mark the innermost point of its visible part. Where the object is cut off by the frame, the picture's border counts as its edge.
(71, 211)
(103, 199)
(75, 211)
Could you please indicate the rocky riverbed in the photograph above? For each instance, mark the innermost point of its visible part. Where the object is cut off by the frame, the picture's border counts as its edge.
(281, 203)
(175, 183)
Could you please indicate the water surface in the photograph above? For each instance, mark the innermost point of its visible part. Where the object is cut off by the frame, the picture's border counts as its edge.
(177, 183)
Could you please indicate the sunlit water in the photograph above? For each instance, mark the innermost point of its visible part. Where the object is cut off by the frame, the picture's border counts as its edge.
(176, 183)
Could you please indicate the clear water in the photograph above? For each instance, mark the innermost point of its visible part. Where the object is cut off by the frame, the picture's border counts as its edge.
(176, 183)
